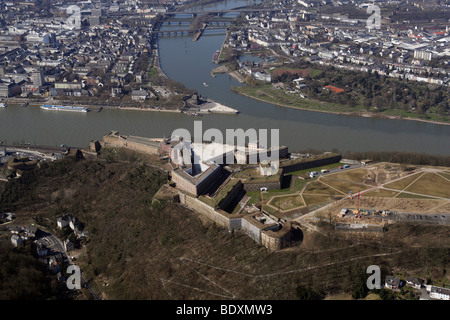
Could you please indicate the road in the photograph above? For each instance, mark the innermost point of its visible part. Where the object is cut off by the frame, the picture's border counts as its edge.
(56, 246)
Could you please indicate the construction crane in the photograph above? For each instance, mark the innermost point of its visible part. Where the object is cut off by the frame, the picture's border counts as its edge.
(262, 198)
(262, 202)
(358, 195)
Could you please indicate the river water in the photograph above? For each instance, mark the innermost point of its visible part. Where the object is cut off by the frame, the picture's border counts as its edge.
(190, 63)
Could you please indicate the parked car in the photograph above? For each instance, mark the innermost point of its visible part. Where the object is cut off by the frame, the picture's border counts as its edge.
(346, 166)
(324, 171)
(313, 174)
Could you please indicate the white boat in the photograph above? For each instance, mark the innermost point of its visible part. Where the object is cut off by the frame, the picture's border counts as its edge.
(63, 108)
(2, 105)
(204, 83)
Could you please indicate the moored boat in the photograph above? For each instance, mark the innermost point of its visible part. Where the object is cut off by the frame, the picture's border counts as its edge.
(63, 108)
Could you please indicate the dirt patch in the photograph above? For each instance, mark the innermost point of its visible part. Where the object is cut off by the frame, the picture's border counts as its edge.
(298, 72)
(392, 204)
(287, 202)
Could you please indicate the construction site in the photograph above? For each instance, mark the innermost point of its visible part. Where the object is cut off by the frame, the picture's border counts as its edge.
(386, 193)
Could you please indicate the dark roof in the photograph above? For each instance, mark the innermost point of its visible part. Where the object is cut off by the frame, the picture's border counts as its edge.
(414, 280)
(392, 280)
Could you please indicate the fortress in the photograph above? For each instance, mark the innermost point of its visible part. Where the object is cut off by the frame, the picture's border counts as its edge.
(212, 179)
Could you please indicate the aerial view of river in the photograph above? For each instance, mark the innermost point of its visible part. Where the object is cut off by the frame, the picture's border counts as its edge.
(190, 63)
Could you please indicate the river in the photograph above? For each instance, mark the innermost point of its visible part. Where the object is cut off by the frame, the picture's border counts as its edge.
(190, 63)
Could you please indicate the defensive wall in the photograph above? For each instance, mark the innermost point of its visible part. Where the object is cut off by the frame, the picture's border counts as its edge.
(145, 145)
(256, 186)
(302, 164)
(273, 236)
(276, 239)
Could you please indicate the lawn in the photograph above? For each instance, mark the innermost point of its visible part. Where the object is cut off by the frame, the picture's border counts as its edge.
(355, 175)
(403, 183)
(312, 199)
(255, 196)
(344, 186)
(275, 96)
(445, 175)
(412, 196)
(317, 187)
(431, 184)
(253, 175)
(287, 202)
(299, 184)
(381, 193)
(317, 169)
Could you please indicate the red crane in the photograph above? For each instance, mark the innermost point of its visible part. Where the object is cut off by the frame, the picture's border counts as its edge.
(358, 195)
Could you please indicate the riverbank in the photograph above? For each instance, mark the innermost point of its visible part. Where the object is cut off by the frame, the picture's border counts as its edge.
(209, 107)
(242, 91)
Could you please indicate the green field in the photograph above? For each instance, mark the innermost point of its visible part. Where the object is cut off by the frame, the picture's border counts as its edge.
(306, 171)
(279, 97)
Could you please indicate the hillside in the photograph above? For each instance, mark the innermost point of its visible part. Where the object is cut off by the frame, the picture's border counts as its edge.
(137, 250)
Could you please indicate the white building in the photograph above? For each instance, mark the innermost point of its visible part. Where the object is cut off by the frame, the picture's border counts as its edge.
(440, 293)
(64, 221)
(16, 240)
(423, 55)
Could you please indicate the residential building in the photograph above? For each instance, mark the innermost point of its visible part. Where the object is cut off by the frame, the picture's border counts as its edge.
(414, 282)
(16, 240)
(139, 95)
(9, 90)
(440, 293)
(68, 245)
(64, 221)
(392, 282)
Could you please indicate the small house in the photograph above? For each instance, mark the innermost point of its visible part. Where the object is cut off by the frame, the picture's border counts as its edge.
(74, 223)
(334, 89)
(41, 250)
(139, 95)
(414, 282)
(16, 240)
(68, 245)
(439, 293)
(64, 221)
(392, 282)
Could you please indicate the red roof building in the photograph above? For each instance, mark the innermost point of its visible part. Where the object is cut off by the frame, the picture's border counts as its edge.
(335, 89)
